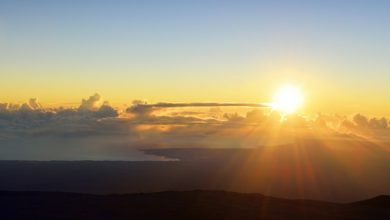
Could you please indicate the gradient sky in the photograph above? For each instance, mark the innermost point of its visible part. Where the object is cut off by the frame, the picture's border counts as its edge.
(188, 51)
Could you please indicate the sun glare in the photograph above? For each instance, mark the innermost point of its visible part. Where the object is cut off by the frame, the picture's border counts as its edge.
(288, 99)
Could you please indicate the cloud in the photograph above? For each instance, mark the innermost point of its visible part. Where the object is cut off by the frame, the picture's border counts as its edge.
(201, 104)
(140, 107)
(3, 107)
(34, 104)
(25, 108)
(157, 126)
(234, 117)
(90, 103)
(91, 118)
(32, 119)
(256, 115)
(106, 111)
(365, 127)
(378, 123)
(361, 120)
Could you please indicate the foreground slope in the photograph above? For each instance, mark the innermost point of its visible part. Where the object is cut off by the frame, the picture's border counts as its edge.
(181, 205)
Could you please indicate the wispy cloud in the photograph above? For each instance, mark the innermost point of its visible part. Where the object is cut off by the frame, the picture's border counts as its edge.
(202, 104)
(141, 107)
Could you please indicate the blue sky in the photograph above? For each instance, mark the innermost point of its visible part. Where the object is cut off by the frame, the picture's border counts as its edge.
(195, 50)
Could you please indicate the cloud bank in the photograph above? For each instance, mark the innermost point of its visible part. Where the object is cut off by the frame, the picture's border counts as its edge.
(24, 127)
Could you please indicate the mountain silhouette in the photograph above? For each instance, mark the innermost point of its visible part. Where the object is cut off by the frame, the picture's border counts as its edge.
(196, 204)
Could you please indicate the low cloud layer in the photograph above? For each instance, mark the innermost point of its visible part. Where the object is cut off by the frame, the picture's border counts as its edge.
(143, 125)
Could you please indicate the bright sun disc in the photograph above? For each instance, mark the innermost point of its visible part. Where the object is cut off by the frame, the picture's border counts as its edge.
(288, 99)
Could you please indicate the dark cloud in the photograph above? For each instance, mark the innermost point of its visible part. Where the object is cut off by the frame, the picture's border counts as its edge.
(140, 107)
(106, 111)
(201, 104)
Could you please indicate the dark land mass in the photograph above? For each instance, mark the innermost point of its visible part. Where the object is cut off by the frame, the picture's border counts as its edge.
(304, 172)
(181, 205)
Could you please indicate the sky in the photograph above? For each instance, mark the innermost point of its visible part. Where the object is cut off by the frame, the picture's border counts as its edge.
(337, 52)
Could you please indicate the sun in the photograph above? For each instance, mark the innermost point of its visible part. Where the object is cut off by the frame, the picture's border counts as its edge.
(288, 99)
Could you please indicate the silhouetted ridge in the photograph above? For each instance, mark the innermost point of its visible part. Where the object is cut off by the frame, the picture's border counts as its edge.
(379, 201)
(196, 204)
